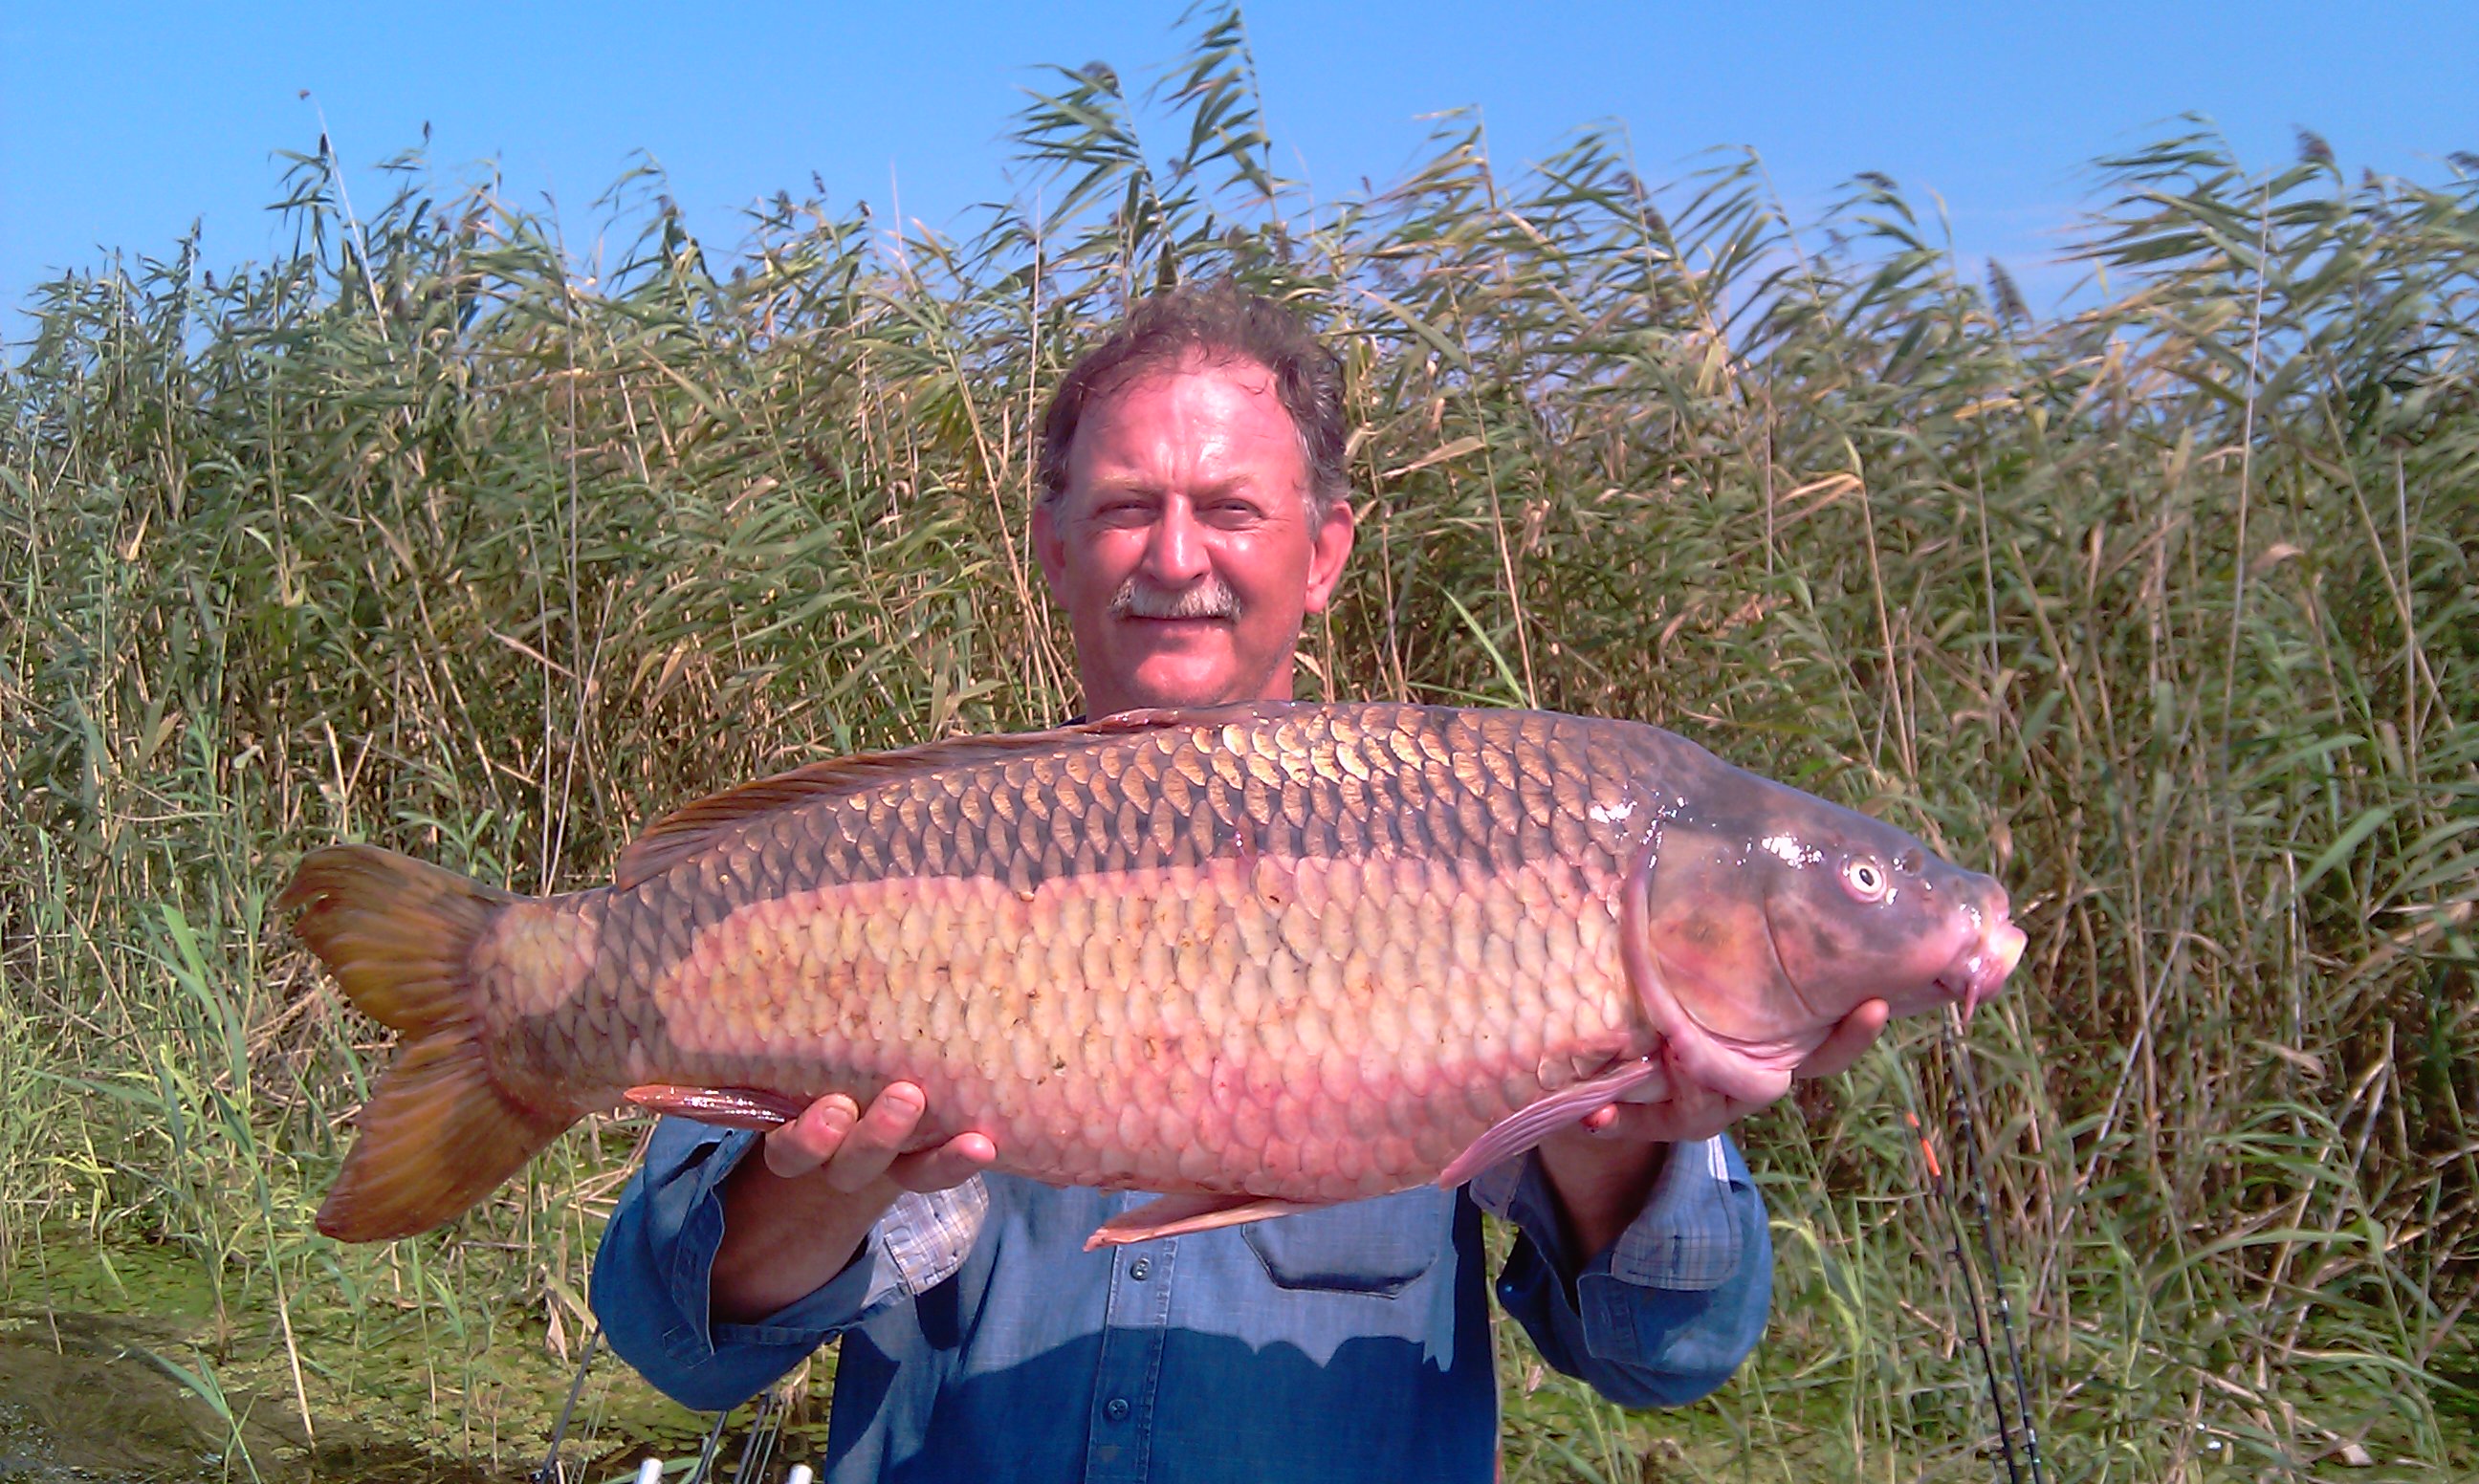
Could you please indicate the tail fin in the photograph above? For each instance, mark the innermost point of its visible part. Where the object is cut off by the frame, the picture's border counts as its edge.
(440, 1133)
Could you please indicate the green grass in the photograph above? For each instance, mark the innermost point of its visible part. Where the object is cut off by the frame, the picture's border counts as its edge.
(432, 533)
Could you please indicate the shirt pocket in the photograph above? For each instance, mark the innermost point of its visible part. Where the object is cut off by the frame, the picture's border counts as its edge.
(1379, 1247)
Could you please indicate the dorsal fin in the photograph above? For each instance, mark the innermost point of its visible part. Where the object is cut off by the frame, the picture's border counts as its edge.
(692, 827)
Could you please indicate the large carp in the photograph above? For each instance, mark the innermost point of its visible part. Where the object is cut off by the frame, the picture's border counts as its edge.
(1258, 958)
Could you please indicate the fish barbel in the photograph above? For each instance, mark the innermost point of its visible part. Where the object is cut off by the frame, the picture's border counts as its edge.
(1257, 958)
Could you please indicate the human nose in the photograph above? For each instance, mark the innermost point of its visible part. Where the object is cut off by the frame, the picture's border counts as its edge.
(1175, 557)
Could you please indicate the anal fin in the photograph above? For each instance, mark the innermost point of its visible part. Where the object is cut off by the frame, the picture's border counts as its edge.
(1517, 1131)
(1177, 1216)
(731, 1108)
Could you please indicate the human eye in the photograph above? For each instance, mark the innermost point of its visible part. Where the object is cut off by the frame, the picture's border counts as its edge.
(1122, 510)
(1232, 511)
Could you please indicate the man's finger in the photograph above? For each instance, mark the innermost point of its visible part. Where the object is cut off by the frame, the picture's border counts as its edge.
(951, 1164)
(877, 1138)
(1849, 1041)
(799, 1146)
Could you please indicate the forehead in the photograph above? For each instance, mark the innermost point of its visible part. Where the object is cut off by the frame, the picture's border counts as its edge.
(1197, 416)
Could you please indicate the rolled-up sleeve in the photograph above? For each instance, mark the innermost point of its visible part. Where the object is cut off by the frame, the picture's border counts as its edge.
(652, 1278)
(1677, 1302)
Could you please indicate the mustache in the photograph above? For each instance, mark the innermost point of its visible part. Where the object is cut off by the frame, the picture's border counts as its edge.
(1208, 598)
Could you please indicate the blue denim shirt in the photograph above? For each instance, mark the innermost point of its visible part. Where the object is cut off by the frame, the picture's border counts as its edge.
(981, 1342)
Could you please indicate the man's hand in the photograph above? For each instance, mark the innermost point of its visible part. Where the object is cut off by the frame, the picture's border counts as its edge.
(1846, 1042)
(853, 1151)
(1604, 1166)
(793, 1218)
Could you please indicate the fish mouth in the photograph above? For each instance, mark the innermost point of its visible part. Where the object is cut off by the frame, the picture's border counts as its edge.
(1980, 969)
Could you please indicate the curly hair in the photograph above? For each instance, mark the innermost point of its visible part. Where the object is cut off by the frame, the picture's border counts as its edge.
(1223, 323)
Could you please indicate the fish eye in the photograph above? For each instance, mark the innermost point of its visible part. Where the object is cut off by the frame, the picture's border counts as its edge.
(1865, 877)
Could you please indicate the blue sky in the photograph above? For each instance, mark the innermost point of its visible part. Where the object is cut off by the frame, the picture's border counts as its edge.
(120, 124)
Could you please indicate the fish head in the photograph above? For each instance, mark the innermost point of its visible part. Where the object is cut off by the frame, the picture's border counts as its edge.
(1769, 927)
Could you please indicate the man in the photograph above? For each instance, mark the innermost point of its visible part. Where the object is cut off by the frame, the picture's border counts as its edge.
(1194, 513)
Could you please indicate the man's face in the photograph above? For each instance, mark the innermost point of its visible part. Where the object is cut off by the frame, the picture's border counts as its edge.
(1182, 547)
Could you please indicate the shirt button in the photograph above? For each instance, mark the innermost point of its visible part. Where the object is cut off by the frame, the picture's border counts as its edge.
(1115, 1409)
(1139, 1267)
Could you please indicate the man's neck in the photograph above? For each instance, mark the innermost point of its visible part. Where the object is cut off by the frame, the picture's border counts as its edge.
(1100, 701)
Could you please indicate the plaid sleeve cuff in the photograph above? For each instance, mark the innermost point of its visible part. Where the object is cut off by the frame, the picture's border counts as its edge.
(918, 1244)
(1676, 1302)
(927, 1236)
(1686, 1239)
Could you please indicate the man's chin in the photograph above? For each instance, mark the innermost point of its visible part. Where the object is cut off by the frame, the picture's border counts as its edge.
(1175, 663)
(1177, 687)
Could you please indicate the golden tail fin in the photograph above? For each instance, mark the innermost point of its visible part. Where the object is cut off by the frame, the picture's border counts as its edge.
(440, 1132)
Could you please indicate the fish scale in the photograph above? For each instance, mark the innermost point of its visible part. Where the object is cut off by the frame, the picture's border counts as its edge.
(932, 981)
(1277, 954)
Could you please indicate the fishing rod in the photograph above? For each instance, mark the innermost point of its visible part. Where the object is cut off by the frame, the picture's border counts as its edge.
(1962, 1104)
(1966, 1107)
(1970, 1288)
(756, 1450)
(766, 1434)
(550, 1472)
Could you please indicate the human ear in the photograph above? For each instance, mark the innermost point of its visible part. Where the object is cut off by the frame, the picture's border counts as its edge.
(1329, 547)
(1050, 545)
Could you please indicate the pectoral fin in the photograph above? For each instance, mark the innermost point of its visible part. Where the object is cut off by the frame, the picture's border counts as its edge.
(1177, 1216)
(732, 1108)
(1519, 1132)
